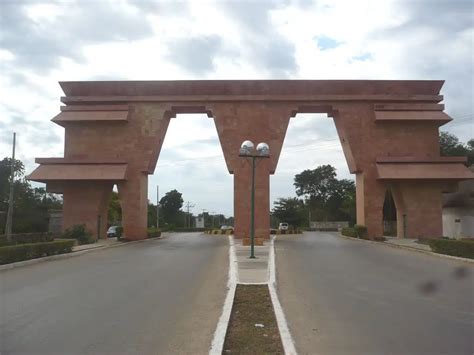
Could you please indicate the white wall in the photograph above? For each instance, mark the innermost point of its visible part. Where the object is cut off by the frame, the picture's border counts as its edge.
(465, 225)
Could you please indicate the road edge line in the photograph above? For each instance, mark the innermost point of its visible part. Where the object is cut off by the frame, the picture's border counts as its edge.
(217, 344)
(285, 335)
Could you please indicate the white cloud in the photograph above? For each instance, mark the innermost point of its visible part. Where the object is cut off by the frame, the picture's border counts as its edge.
(43, 43)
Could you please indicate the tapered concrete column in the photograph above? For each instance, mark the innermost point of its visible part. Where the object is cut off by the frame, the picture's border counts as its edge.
(419, 209)
(242, 199)
(370, 195)
(133, 198)
(235, 123)
(85, 202)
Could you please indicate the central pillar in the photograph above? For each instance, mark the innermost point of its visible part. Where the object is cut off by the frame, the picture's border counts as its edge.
(242, 199)
(258, 122)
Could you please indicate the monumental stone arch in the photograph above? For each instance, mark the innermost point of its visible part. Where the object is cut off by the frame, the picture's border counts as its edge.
(388, 130)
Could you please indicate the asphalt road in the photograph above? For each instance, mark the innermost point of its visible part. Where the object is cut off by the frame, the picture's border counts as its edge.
(156, 297)
(349, 297)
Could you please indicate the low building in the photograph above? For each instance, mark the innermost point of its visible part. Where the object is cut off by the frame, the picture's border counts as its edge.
(458, 211)
(55, 222)
(328, 225)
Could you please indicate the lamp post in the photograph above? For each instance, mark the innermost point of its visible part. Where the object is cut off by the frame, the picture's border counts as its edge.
(213, 215)
(247, 151)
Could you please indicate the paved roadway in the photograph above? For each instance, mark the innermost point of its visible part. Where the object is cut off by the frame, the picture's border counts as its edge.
(156, 297)
(349, 297)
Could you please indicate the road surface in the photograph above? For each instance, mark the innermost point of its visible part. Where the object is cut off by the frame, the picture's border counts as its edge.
(156, 297)
(349, 297)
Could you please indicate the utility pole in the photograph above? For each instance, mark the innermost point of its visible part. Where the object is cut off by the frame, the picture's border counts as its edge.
(213, 215)
(157, 206)
(8, 227)
(204, 216)
(188, 218)
(309, 217)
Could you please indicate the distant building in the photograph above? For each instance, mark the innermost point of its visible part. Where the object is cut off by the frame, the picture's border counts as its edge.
(458, 211)
(55, 221)
(325, 225)
(199, 222)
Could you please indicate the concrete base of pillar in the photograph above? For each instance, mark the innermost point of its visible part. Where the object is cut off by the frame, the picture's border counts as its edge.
(258, 241)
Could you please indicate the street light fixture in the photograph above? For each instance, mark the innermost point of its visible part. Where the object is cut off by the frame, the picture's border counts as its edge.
(247, 151)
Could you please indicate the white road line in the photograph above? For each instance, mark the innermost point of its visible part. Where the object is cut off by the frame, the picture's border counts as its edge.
(217, 344)
(286, 339)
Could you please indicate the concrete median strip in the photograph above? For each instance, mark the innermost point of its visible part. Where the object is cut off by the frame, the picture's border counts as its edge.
(247, 272)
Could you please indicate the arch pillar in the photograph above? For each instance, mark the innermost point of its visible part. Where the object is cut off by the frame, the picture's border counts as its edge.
(258, 122)
(133, 194)
(242, 203)
(370, 196)
(419, 209)
(85, 202)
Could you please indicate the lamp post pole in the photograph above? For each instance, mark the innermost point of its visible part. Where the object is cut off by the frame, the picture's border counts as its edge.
(8, 227)
(247, 151)
(157, 206)
(252, 213)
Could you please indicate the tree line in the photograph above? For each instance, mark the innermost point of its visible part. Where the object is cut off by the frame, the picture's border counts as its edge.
(321, 197)
(171, 213)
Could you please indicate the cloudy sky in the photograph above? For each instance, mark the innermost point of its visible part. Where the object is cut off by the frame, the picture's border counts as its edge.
(44, 42)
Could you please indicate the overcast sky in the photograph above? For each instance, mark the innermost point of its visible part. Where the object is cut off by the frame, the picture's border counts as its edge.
(44, 42)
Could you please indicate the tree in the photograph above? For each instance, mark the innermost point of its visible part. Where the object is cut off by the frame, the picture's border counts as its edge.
(30, 205)
(290, 210)
(326, 197)
(115, 209)
(450, 145)
(315, 184)
(171, 203)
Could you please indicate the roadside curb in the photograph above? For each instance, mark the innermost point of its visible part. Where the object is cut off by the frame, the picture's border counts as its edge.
(217, 344)
(69, 255)
(427, 252)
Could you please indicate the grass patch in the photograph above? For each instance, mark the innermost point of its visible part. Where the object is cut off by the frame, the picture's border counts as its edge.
(252, 305)
(461, 248)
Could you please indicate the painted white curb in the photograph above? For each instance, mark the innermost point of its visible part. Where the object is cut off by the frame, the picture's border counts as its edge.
(217, 344)
(285, 335)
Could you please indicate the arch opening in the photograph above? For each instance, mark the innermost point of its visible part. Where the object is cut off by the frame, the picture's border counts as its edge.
(389, 215)
(191, 163)
(324, 191)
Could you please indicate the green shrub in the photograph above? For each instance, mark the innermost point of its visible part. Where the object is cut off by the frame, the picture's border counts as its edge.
(20, 252)
(294, 231)
(22, 238)
(118, 232)
(361, 231)
(273, 231)
(80, 233)
(462, 248)
(349, 232)
(154, 232)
